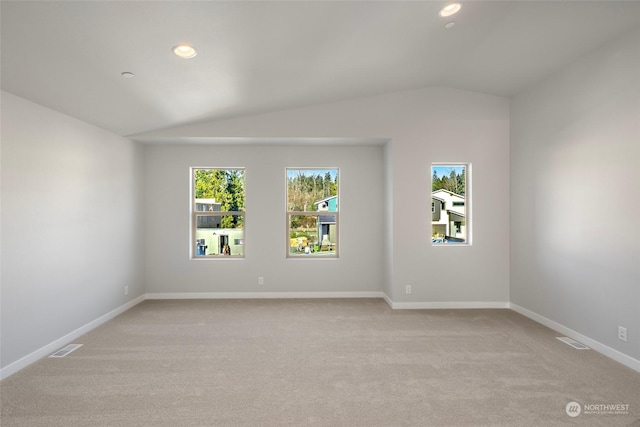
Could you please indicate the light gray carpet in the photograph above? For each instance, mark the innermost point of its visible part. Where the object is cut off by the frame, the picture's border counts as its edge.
(341, 362)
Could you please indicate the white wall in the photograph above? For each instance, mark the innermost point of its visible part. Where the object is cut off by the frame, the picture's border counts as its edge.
(359, 268)
(79, 222)
(71, 228)
(423, 126)
(575, 144)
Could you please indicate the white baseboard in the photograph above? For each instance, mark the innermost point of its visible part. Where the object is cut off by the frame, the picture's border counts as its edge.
(48, 349)
(456, 305)
(261, 295)
(611, 353)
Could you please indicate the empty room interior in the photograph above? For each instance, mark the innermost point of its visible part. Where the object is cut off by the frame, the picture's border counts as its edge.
(320, 213)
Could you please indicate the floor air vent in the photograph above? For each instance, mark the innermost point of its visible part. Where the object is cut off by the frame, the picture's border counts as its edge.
(66, 350)
(573, 343)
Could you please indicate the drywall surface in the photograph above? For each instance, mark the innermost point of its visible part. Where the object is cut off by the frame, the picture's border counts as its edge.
(71, 225)
(358, 268)
(422, 127)
(575, 194)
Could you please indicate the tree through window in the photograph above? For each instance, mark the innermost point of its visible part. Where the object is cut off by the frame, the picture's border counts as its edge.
(218, 212)
(449, 203)
(312, 212)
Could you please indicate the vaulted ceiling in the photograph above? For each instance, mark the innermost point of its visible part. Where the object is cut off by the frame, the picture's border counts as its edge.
(256, 57)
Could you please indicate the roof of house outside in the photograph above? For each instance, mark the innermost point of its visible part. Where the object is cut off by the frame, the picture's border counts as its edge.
(325, 199)
(448, 192)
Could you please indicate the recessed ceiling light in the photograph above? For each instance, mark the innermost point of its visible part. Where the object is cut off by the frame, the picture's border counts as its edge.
(184, 50)
(450, 24)
(450, 9)
(127, 75)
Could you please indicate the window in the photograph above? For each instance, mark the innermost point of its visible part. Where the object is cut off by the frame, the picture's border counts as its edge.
(312, 213)
(449, 208)
(217, 213)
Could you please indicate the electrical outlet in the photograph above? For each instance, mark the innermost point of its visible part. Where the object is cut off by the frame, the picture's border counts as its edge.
(260, 280)
(407, 289)
(126, 290)
(622, 333)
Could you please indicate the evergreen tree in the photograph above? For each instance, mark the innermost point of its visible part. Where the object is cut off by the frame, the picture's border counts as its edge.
(436, 182)
(306, 188)
(234, 199)
(454, 182)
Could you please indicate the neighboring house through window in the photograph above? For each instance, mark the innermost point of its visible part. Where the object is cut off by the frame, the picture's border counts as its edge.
(312, 212)
(218, 203)
(449, 204)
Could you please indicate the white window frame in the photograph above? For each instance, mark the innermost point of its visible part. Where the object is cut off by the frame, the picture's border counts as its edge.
(467, 204)
(334, 254)
(195, 214)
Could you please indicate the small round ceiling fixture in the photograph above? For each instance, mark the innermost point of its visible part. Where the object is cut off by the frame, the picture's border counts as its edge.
(450, 9)
(127, 75)
(184, 50)
(450, 24)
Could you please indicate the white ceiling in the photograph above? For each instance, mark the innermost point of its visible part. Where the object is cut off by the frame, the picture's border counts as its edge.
(262, 56)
